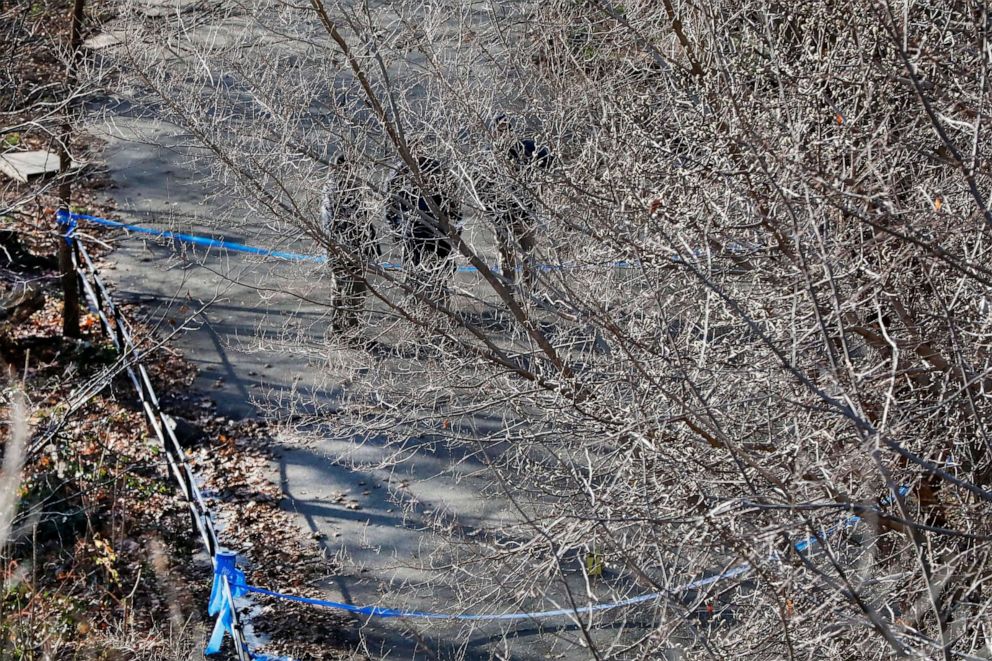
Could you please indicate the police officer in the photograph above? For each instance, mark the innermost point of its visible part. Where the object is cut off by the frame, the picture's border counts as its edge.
(351, 240)
(512, 205)
(425, 235)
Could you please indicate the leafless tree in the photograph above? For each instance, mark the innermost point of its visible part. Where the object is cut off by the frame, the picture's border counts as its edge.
(43, 78)
(765, 306)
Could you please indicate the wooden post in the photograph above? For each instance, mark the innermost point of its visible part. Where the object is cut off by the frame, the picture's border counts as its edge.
(70, 284)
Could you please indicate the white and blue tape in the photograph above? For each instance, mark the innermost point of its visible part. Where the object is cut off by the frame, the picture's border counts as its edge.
(227, 567)
(70, 220)
(230, 582)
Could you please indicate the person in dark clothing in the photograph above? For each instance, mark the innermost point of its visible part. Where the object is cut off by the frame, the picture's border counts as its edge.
(426, 237)
(512, 205)
(351, 240)
(518, 220)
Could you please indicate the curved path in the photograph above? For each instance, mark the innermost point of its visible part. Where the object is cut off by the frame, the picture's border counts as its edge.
(245, 347)
(374, 514)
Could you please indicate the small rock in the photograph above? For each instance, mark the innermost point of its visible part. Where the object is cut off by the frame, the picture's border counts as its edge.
(102, 40)
(26, 165)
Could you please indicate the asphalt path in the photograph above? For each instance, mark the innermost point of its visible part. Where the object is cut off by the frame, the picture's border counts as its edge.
(261, 353)
(255, 329)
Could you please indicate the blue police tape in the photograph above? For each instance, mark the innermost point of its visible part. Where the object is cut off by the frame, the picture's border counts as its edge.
(64, 218)
(849, 522)
(227, 567)
(70, 219)
(226, 563)
(378, 611)
(221, 601)
(220, 605)
(70, 226)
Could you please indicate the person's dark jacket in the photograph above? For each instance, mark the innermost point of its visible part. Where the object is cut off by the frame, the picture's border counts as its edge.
(511, 202)
(409, 211)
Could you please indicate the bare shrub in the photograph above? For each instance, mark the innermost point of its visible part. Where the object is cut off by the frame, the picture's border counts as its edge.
(800, 324)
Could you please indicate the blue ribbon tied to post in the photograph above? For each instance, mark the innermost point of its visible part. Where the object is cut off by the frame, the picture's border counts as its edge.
(222, 597)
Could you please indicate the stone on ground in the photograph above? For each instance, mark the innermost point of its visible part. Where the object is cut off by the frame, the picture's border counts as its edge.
(25, 165)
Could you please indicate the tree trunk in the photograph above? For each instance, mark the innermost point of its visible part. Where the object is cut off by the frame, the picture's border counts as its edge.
(70, 284)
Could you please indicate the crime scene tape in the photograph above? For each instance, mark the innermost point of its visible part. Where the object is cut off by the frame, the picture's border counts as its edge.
(227, 572)
(229, 581)
(71, 219)
(116, 327)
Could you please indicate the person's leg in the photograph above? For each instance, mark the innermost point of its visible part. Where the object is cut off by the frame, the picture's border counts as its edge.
(336, 299)
(526, 237)
(413, 260)
(349, 290)
(444, 270)
(360, 292)
(345, 309)
(504, 246)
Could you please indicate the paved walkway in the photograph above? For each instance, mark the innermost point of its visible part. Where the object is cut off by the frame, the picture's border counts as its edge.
(245, 346)
(260, 352)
